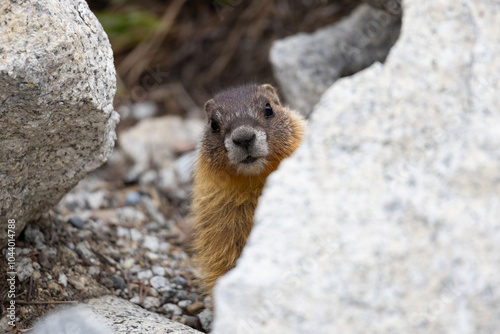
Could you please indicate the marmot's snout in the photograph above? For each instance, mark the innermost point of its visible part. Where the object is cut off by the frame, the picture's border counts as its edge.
(243, 137)
(247, 149)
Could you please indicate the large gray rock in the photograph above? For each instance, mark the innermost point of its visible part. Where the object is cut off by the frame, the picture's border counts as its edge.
(386, 220)
(109, 314)
(305, 65)
(57, 83)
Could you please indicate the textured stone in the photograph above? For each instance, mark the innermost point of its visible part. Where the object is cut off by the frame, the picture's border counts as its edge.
(24, 268)
(75, 319)
(57, 83)
(195, 308)
(206, 317)
(125, 317)
(390, 218)
(67, 256)
(172, 309)
(160, 283)
(305, 65)
(108, 313)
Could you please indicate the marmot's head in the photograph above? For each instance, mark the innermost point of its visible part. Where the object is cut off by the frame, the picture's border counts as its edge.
(248, 131)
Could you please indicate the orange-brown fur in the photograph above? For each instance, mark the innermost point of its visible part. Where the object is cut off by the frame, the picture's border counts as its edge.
(224, 201)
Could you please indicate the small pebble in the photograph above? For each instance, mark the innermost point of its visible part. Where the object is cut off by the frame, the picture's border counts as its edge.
(150, 302)
(153, 226)
(160, 283)
(22, 251)
(136, 235)
(181, 295)
(24, 312)
(172, 309)
(159, 270)
(63, 279)
(77, 281)
(36, 275)
(184, 303)
(107, 282)
(50, 253)
(51, 285)
(151, 242)
(44, 261)
(73, 201)
(153, 292)
(95, 199)
(77, 222)
(180, 281)
(24, 268)
(148, 177)
(135, 300)
(127, 263)
(94, 270)
(168, 180)
(123, 232)
(152, 256)
(170, 272)
(164, 247)
(130, 215)
(135, 269)
(144, 110)
(153, 211)
(195, 308)
(36, 265)
(33, 235)
(144, 275)
(118, 282)
(206, 317)
(133, 198)
(82, 249)
(67, 256)
(191, 321)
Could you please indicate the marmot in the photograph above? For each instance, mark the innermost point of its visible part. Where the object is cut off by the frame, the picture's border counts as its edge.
(247, 135)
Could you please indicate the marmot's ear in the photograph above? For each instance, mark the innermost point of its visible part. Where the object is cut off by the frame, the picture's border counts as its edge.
(270, 89)
(209, 106)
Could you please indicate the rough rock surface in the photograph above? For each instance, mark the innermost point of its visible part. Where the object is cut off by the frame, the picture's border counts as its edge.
(307, 64)
(99, 315)
(79, 319)
(57, 83)
(391, 219)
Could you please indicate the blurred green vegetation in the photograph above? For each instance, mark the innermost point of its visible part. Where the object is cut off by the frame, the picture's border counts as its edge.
(127, 29)
(178, 53)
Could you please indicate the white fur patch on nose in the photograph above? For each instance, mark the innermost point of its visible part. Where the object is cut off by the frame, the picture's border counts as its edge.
(257, 148)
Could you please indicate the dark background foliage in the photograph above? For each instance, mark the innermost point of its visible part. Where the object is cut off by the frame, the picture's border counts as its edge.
(179, 52)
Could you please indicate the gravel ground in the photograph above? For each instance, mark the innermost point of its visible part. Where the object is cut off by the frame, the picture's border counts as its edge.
(113, 235)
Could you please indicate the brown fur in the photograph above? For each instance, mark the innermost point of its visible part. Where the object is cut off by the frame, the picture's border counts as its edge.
(224, 201)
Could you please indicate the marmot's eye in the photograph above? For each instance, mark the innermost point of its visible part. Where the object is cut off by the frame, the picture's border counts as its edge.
(269, 111)
(214, 125)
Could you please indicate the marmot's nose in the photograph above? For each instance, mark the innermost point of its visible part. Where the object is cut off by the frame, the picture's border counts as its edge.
(243, 138)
